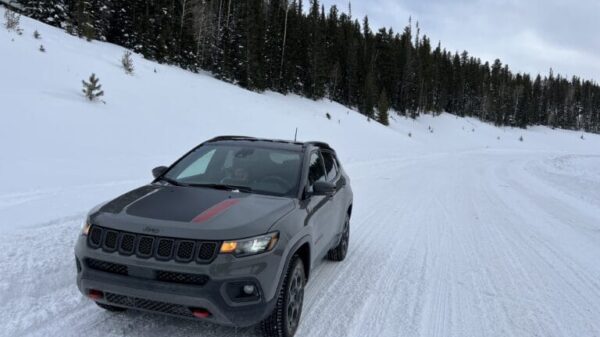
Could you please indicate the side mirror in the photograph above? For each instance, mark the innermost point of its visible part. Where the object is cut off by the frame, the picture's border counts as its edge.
(323, 188)
(158, 171)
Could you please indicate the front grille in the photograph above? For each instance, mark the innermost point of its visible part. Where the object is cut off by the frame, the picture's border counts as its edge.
(140, 303)
(146, 246)
(184, 278)
(108, 267)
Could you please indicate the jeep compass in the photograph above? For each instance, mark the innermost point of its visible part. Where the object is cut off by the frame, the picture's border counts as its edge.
(227, 234)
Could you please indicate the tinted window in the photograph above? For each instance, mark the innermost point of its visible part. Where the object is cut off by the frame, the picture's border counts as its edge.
(330, 166)
(264, 170)
(316, 171)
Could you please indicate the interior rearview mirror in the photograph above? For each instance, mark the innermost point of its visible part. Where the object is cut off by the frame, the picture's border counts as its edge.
(323, 188)
(158, 171)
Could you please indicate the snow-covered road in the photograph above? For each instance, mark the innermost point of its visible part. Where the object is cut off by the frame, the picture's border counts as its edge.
(474, 243)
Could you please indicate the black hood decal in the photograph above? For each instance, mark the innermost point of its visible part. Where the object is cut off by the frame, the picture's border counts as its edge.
(118, 205)
(178, 203)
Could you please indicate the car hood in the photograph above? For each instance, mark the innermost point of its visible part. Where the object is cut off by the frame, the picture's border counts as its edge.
(192, 212)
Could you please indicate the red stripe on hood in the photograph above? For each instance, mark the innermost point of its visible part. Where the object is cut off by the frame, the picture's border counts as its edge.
(215, 210)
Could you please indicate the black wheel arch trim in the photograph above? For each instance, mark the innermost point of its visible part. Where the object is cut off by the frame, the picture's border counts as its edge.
(292, 252)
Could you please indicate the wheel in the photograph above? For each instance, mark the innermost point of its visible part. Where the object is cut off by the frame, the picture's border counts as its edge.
(339, 253)
(110, 308)
(284, 320)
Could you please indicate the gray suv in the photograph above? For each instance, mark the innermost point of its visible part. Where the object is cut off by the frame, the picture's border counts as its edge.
(227, 234)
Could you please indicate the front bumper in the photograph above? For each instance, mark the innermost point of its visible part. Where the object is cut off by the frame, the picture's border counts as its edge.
(139, 286)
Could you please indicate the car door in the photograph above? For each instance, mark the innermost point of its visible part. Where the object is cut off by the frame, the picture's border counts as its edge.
(337, 199)
(319, 207)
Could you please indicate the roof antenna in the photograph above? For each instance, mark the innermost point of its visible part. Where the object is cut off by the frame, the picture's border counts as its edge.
(296, 135)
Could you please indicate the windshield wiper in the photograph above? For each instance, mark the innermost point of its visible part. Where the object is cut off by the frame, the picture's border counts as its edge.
(172, 181)
(226, 187)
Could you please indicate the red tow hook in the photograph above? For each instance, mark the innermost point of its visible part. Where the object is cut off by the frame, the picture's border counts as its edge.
(95, 294)
(200, 313)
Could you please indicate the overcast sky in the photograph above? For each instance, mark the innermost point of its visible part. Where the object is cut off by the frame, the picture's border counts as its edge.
(528, 35)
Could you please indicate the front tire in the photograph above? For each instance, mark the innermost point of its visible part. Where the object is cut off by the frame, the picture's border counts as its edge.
(341, 250)
(284, 320)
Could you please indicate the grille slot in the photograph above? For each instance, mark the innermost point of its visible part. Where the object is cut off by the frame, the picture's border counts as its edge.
(165, 249)
(108, 267)
(146, 246)
(207, 251)
(143, 304)
(127, 245)
(184, 278)
(95, 237)
(110, 241)
(185, 250)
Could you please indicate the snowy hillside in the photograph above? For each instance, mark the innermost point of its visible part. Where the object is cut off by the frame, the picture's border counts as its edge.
(460, 229)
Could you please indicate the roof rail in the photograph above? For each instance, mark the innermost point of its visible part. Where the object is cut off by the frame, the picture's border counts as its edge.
(231, 138)
(319, 144)
(254, 139)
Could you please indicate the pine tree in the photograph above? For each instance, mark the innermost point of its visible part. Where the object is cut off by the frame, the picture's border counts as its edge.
(84, 20)
(53, 12)
(202, 31)
(123, 28)
(127, 62)
(383, 107)
(369, 96)
(315, 87)
(11, 20)
(255, 45)
(92, 89)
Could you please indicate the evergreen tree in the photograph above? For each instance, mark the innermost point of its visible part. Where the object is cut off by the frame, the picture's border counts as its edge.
(53, 12)
(11, 20)
(255, 45)
(84, 19)
(92, 89)
(369, 96)
(383, 107)
(127, 62)
(316, 52)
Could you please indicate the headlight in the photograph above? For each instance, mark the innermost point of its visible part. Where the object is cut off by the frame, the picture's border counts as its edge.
(86, 229)
(251, 246)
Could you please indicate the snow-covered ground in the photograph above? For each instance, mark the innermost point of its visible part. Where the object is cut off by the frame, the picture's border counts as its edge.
(463, 231)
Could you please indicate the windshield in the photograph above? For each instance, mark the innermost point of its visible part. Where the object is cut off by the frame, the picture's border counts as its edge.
(243, 167)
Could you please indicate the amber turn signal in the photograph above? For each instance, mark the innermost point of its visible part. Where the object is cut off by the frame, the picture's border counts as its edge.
(228, 247)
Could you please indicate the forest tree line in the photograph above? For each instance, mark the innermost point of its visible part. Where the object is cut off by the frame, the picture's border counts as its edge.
(290, 46)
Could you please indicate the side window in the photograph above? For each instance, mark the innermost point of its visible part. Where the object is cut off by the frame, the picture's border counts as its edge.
(330, 166)
(198, 167)
(316, 171)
